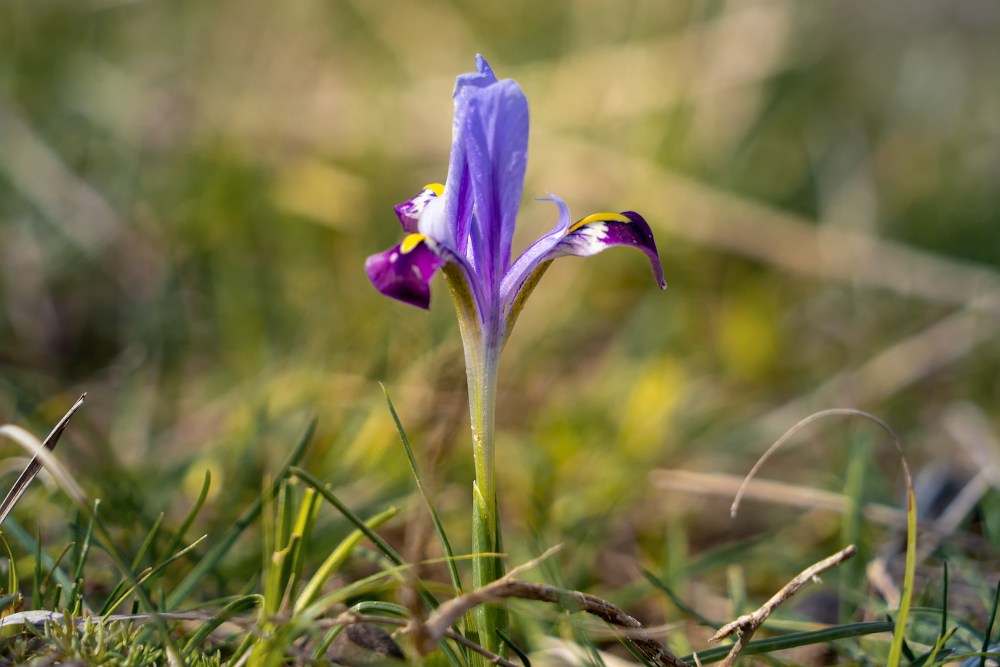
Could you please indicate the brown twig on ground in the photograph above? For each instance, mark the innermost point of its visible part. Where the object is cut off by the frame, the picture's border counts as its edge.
(745, 626)
(437, 626)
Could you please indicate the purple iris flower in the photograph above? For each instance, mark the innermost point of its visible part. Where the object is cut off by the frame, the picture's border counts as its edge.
(465, 228)
(468, 223)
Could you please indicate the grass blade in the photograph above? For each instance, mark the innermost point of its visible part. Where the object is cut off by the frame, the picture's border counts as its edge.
(7, 601)
(146, 543)
(944, 602)
(33, 468)
(445, 544)
(36, 590)
(304, 525)
(513, 647)
(680, 604)
(153, 572)
(895, 653)
(381, 607)
(178, 537)
(635, 652)
(930, 657)
(216, 553)
(336, 559)
(283, 527)
(989, 626)
(319, 653)
(237, 606)
(383, 546)
(85, 549)
(793, 640)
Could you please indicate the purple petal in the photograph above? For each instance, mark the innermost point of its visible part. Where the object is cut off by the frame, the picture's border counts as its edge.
(435, 223)
(409, 211)
(597, 234)
(458, 189)
(524, 265)
(405, 272)
(496, 140)
(482, 77)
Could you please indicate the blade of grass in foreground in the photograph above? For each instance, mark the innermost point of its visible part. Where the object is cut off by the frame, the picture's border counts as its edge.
(151, 572)
(895, 653)
(513, 647)
(235, 607)
(304, 524)
(146, 543)
(336, 559)
(178, 537)
(36, 590)
(793, 640)
(445, 544)
(383, 546)
(215, 554)
(989, 626)
(13, 585)
(680, 604)
(17, 531)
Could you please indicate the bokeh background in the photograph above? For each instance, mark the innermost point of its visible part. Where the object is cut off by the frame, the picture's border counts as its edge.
(188, 191)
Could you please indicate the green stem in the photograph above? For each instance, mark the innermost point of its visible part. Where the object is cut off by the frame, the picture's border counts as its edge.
(481, 339)
(482, 374)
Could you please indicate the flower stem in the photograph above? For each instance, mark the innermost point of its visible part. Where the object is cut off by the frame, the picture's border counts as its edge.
(485, 520)
(481, 339)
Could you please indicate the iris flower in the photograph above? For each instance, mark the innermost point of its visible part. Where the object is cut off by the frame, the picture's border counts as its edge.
(465, 228)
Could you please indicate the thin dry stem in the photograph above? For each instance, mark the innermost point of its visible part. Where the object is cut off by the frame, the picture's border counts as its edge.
(438, 625)
(808, 420)
(745, 626)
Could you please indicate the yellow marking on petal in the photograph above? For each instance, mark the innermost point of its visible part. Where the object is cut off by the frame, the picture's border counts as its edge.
(436, 188)
(598, 217)
(411, 242)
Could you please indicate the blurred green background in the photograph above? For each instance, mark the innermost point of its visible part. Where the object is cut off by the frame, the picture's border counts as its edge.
(188, 190)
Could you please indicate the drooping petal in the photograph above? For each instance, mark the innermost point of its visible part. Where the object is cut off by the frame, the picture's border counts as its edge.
(405, 272)
(604, 230)
(409, 211)
(496, 139)
(529, 260)
(583, 239)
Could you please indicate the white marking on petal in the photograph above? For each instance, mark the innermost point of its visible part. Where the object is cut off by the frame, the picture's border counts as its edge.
(393, 257)
(590, 239)
(434, 222)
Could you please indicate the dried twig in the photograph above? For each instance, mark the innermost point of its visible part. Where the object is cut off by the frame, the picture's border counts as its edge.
(437, 626)
(745, 626)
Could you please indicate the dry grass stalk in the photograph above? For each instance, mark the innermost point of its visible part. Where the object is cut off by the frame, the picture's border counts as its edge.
(437, 626)
(745, 626)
